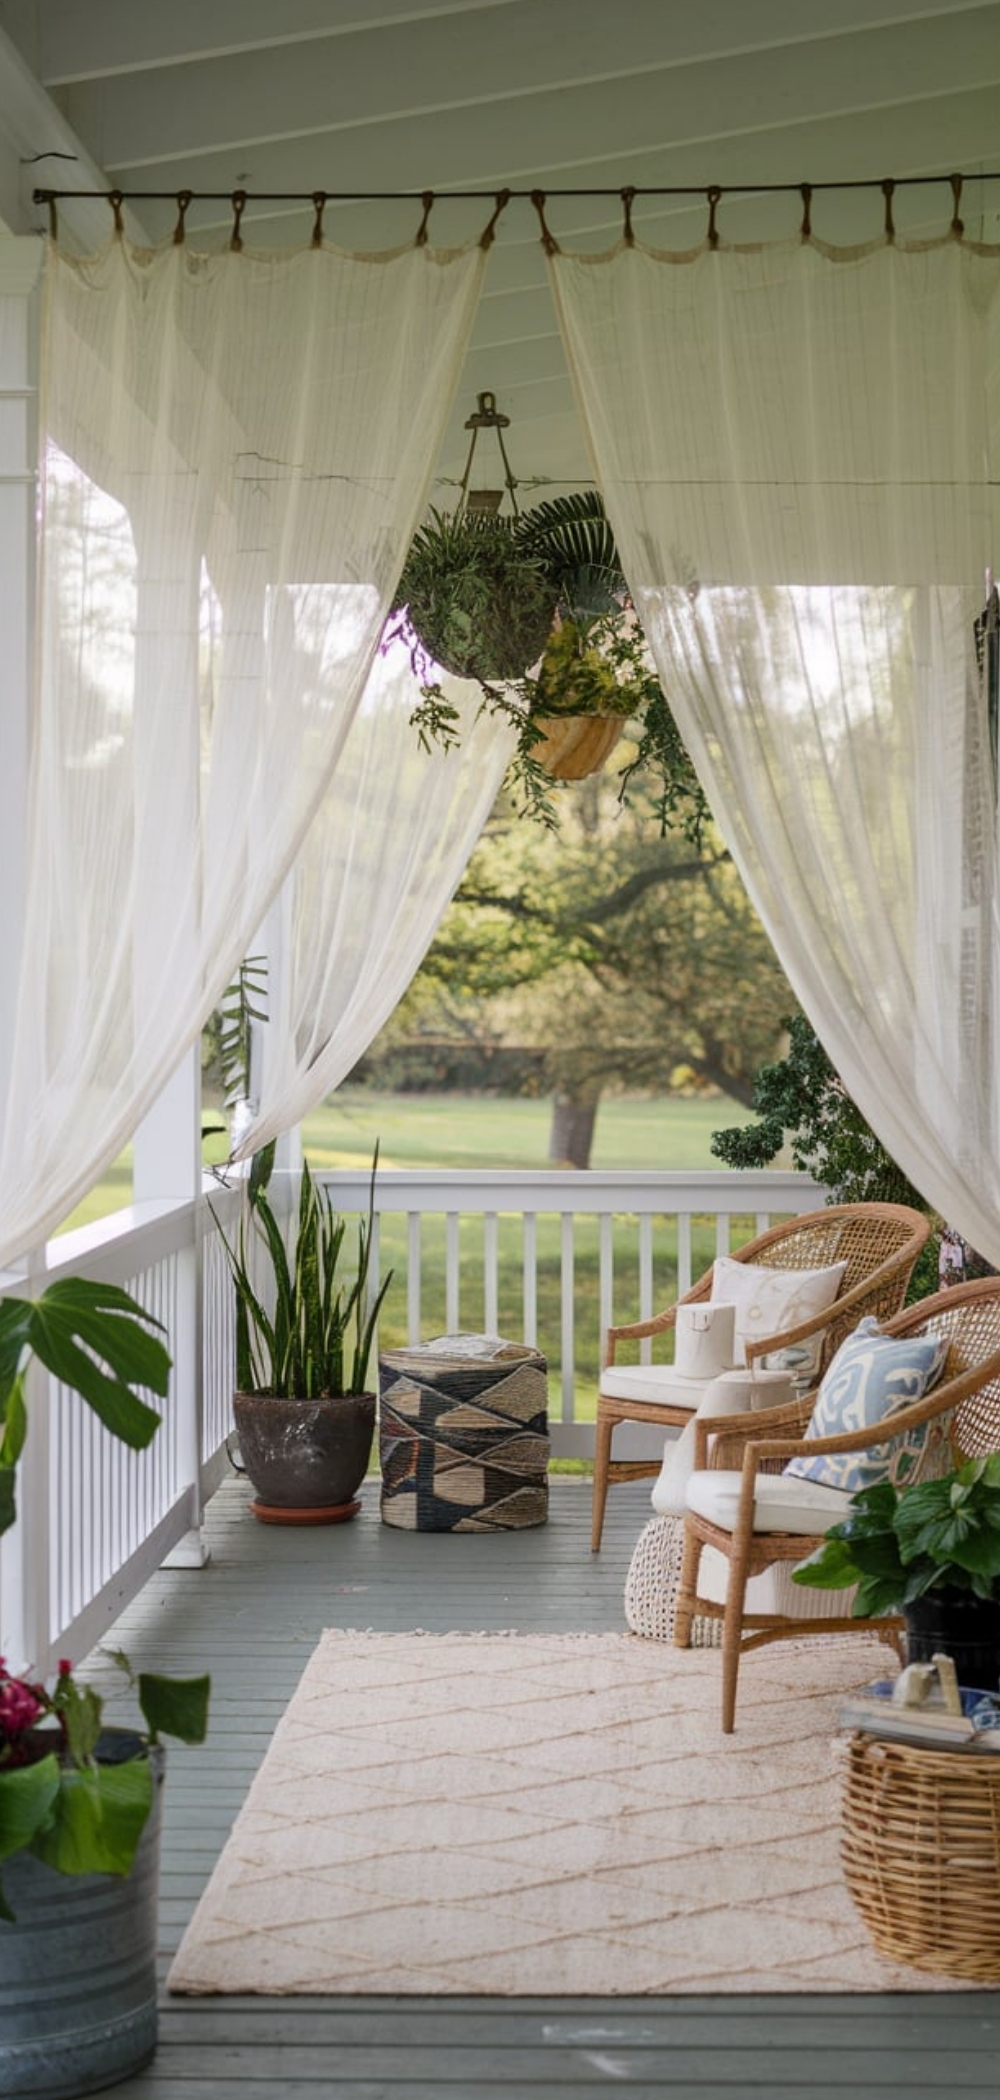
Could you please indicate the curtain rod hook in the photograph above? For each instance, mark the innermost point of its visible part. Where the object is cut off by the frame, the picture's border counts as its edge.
(501, 202)
(888, 187)
(549, 242)
(957, 227)
(239, 206)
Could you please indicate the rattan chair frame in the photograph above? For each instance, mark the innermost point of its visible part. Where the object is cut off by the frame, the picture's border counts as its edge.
(880, 1242)
(966, 1403)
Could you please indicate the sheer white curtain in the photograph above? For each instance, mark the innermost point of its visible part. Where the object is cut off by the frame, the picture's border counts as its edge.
(238, 447)
(800, 451)
(381, 861)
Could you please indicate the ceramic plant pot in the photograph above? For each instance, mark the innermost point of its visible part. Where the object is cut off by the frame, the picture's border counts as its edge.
(956, 1623)
(306, 1458)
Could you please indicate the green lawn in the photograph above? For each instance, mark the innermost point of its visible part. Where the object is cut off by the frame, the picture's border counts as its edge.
(467, 1130)
(456, 1130)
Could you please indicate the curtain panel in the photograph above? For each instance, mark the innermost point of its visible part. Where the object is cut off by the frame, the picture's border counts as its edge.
(237, 448)
(380, 864)
(799, 451)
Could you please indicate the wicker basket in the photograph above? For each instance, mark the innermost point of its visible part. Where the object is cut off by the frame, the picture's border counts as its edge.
(920, 1849)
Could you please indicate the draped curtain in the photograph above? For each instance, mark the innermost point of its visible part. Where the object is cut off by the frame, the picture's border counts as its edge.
(799, 450)
(380, 864)
(237, 449)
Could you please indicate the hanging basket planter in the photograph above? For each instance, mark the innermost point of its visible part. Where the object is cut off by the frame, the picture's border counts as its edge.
(574, 746)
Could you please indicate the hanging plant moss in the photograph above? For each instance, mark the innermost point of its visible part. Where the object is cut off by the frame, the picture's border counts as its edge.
(480, 605)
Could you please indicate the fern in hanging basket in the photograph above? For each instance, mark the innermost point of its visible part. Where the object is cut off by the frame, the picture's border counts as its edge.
(480, 605)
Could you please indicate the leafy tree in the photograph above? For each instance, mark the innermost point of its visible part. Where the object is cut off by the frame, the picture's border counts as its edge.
(624, 956)
(802, 1101)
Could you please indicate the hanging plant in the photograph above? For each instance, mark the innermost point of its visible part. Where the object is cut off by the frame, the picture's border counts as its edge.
(478, 603)
(535, 608)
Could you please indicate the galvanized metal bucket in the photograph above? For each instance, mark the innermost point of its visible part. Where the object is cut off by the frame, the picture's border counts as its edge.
(78, 1972)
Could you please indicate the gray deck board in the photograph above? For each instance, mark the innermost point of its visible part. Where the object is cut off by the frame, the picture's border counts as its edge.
(253, 1617)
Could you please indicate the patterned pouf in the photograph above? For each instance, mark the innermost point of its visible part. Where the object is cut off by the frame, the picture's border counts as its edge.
(463, 1435)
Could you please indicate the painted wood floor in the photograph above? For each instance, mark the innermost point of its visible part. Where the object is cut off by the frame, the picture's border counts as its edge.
(252, 1617)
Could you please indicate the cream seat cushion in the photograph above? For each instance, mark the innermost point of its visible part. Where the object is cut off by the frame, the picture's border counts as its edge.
(732, 1393)
(658, 1383)
(782, 1502)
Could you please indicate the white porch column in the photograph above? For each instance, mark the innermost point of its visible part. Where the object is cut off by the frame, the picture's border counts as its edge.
(20, 268)
(24, 1564)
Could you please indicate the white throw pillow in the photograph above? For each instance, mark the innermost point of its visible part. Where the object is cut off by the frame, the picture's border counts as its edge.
(768, 1301)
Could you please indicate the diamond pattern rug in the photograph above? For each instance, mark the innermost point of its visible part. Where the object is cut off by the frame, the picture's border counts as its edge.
(553, 1814)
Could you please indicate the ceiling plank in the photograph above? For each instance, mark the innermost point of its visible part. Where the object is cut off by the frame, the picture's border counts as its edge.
(618, 79)
(105, 37)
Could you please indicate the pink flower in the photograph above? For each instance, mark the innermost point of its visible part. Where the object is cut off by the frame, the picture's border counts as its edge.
(19, 1709)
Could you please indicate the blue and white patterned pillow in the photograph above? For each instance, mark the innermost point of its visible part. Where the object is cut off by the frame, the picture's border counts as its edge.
(870, 1378)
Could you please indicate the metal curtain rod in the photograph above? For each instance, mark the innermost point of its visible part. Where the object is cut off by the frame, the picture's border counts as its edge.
(724, 189)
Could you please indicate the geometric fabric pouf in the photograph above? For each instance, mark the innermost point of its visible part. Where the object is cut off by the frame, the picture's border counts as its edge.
(463, 1435)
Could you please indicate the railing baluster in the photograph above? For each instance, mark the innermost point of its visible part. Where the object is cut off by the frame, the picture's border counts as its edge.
(491, 1299)
(567, 1276)
(452, 1300)
(606, 1273)
(646, 1307)
(413, 1277)
(684, 1275)
(529, 1272)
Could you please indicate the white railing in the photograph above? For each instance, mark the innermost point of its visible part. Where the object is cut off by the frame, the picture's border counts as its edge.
(547, 1257)
(552, 1258)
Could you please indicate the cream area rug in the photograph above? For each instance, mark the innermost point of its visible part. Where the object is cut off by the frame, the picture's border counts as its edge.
(507, 1814)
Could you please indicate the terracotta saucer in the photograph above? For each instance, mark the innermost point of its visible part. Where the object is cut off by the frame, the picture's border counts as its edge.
(285, 1513)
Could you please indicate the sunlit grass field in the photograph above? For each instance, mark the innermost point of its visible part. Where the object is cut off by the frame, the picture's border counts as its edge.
(465, 1130)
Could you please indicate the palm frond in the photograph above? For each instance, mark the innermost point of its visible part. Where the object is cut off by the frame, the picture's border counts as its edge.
(243, 1002)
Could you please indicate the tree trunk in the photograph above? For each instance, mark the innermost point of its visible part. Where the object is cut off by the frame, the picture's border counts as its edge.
(572, 1132)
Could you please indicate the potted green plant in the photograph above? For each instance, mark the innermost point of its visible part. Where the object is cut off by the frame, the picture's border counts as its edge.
(304, 1334)
(579, 707)
(932, 1552)
(79, 1803)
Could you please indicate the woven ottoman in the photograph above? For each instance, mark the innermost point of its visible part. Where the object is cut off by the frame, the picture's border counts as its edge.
(463, 1435)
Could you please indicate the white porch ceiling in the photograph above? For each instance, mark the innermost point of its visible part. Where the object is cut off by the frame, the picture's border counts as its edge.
(450, 95)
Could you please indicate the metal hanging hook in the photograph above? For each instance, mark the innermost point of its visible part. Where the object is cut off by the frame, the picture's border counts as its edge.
(486, 502)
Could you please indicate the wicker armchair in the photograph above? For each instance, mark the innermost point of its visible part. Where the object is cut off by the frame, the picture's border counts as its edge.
(965, 1406)
(880, 1243)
